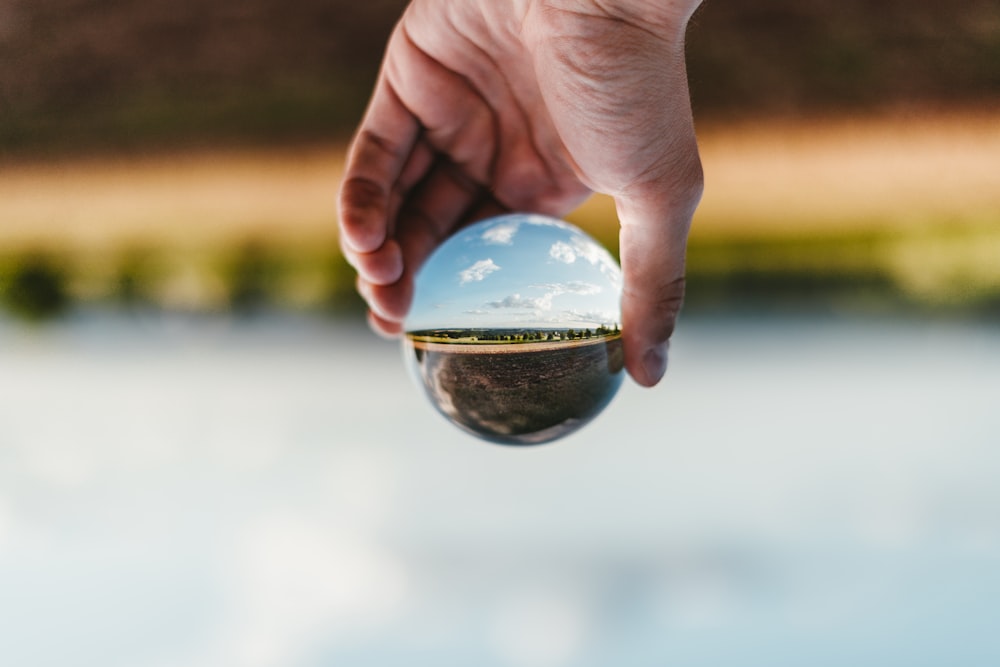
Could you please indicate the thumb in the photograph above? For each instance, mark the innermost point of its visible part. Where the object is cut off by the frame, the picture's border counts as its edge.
(653, 241)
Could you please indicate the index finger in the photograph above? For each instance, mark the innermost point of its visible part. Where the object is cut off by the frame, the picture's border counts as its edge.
(381, 148)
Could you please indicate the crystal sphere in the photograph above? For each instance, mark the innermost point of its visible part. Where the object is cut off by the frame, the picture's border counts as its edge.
(514, 331)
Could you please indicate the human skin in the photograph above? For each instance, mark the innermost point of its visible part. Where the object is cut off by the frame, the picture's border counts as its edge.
(489, 106)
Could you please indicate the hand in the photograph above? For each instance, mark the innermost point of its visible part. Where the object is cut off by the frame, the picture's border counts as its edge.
(484, 107)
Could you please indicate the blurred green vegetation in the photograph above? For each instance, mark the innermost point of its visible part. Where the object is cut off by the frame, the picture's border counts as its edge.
(252, 279)
(931, 273)
(937, 273)
(34, 286)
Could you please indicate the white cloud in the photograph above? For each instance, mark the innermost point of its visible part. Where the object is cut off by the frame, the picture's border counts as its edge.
(591, 252)
(609, 267)
(577, 318)
(571, 287)
(477, 271)
(562, 252)
(543, 302)
(519, 302)
(591, 317)
(581, 248)
(501, 234)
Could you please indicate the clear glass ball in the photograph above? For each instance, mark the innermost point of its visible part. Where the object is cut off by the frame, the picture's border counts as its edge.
(514, 333)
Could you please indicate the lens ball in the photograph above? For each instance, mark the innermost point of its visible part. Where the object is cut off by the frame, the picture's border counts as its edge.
(514, 333)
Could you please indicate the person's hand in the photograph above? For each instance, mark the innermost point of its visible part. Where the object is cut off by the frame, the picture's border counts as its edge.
(486, 106)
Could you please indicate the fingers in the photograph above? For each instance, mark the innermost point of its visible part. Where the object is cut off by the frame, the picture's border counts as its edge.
(419, 165)
(652, 294)
(382, 148)
(438, 206)
(384, 265)
(457, 120)
(384, 328)
(413, 173)
(653, 242)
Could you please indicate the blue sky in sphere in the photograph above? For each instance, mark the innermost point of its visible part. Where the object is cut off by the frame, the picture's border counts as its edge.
(517, 270)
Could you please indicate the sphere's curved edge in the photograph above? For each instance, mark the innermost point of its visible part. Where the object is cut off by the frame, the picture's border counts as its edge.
(514, 333)
(543, 437)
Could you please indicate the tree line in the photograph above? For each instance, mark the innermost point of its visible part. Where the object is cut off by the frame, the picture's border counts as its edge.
(507, 336)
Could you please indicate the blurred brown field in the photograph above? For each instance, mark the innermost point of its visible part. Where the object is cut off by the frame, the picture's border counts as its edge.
(191, 200)
(878, 172)
(912, 200)
(902, 174)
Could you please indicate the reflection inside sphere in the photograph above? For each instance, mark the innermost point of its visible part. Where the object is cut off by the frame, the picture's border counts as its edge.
(514, 331)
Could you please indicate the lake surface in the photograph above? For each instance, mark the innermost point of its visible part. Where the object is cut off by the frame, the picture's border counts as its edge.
(184, 492)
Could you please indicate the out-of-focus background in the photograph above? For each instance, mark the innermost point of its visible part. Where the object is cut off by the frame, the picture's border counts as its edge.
(205, 458)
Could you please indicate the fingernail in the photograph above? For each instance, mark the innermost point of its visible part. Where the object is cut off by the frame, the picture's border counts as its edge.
(654, 362)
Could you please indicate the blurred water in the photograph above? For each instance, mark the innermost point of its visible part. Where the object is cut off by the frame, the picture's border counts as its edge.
(799, 491)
